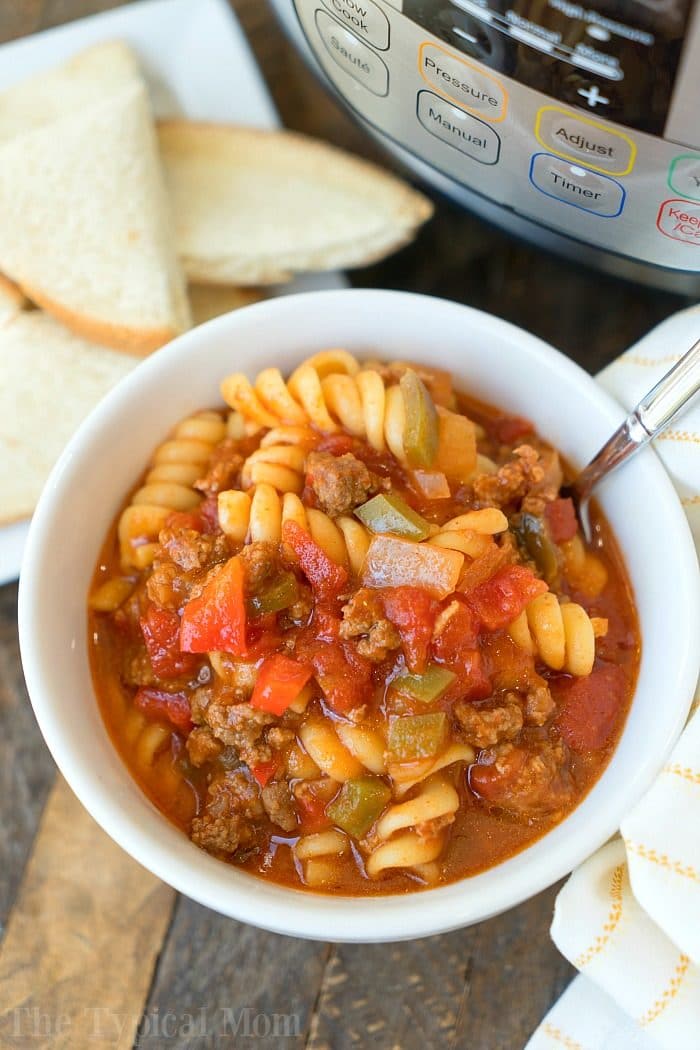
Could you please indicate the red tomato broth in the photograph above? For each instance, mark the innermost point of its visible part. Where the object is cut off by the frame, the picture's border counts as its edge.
(482, 834)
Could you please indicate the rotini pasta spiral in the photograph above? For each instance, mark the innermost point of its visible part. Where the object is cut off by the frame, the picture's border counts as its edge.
(317, 854)
(560, 633)
(168, 486)
(260, 516)
(329, 391)
(427, 815)
(470, 533)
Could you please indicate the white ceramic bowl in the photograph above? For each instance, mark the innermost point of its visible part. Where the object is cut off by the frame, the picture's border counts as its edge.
(497, 362)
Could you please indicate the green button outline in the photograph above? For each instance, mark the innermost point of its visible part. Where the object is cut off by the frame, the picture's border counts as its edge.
(669, 179)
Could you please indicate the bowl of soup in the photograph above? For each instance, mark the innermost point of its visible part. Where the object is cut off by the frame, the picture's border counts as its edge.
(311, 628)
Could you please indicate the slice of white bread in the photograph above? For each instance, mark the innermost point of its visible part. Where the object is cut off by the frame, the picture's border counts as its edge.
(85, 224)
(254, 207)
(49, 381)
(93, 74)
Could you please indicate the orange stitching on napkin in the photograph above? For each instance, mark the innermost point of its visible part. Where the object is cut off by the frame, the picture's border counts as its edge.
(612, 921)
(683, 771)
(669, 994)
(565, 1040)
(634, 359)
(664, 861)
(679, 435)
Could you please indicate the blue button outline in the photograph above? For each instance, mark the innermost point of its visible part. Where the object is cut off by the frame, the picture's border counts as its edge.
(571, 204)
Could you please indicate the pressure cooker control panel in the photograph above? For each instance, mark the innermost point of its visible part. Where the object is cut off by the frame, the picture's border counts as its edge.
(576, 120)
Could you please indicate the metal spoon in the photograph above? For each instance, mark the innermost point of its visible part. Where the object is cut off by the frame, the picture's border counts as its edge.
(652, 415)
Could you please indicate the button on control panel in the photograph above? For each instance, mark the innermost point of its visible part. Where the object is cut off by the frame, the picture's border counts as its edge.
(684, 175)
(680, 220)
(352, 55)
(585, 189)
(577, 138)
(465, 132)
(364, 18)
(471, 87)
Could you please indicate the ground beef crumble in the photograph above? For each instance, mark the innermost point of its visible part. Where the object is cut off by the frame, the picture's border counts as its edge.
(340, 483)
(279, 804)
(232, 814)
(224, 469)
(363, 618)
(485, 725)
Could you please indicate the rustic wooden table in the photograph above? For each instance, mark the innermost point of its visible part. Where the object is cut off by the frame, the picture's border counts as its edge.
(126, 962)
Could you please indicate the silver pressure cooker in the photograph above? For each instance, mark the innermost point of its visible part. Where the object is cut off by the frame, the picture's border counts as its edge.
(574, 125)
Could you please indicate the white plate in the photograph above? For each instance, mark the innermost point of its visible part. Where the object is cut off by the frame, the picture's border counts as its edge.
(197, 63)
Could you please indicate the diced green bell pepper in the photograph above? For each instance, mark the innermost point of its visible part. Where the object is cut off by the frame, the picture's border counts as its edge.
(358, 804)
(425, 687)
(417, 736)
(532, 537)
(421, 432)
(388, 513)
(281, 593)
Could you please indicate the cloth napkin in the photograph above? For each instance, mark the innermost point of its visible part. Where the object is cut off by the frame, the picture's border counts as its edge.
(629, 917)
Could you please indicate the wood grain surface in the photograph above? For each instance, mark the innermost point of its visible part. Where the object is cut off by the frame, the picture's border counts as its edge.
(205, 981)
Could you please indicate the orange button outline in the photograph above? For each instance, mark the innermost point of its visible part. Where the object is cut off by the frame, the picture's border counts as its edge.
(576, 157)
(458, 101)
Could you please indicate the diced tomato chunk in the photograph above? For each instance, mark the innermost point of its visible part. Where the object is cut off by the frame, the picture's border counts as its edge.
(264, 771)
(326, 578)
(482, 568)
(215, 621)
(263, 636)
(412, 611)
(494, 782)
(311, 811)
(460, 632)
(472, 682)
(590, 707)
(161, 633)
(508, 429)
(343, 675)
(185, 519)
(160, 705)
(279, 682)
(560, 516)
(498, 601)
(337, 444)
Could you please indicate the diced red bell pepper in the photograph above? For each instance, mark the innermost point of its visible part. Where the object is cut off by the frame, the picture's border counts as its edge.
(590, 707)
(508, 429)
(159, 705)
(279, 682)
(412, 611)
(326, 578)
(216, 620)
(561, 520)
(264, 771)
(498, 601)
(161, 633)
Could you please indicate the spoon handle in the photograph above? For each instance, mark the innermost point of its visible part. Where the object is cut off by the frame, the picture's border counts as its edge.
(657, 408)
(652, 415)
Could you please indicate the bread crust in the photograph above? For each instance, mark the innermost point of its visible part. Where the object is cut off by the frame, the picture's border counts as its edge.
(138, 342)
